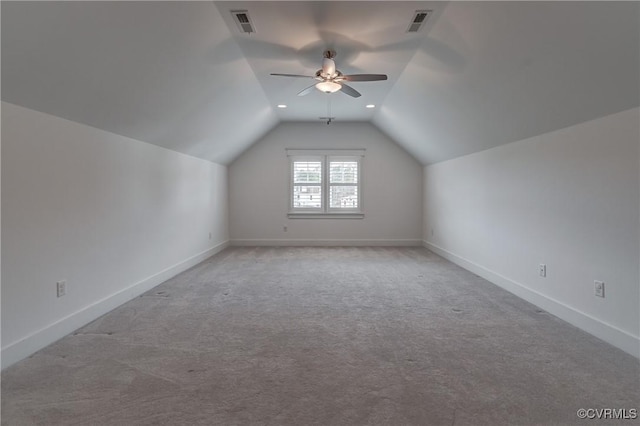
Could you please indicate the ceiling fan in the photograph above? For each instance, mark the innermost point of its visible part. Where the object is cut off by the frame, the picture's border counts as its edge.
(331, 80)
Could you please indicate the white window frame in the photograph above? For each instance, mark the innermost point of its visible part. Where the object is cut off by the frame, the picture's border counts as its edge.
(325, 157)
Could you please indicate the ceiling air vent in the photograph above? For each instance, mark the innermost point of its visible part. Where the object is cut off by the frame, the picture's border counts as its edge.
(419, 18)
(243, 21)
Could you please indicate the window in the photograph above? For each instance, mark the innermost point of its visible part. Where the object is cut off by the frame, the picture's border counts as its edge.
(307, 184)
(343, 183)
(325, 183)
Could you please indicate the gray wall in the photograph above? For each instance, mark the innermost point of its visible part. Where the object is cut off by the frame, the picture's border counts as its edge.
(259, 190)
(568, 199)
(110, 215)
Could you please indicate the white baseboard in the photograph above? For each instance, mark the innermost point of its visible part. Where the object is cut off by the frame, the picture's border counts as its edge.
(30, 344)
(327, 243)
(607, 332)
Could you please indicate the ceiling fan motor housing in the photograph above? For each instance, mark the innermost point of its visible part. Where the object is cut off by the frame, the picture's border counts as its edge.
(328, 67)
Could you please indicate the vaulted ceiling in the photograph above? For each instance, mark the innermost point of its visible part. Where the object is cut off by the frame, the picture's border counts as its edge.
(183, 76)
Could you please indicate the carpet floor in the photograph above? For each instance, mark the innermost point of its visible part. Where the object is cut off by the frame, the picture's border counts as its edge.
(323, 336)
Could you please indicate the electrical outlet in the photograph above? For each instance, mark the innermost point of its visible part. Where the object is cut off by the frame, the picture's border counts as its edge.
(284, 228)
(209, 235)
(542, 270)
(61, 288)
(598, 286)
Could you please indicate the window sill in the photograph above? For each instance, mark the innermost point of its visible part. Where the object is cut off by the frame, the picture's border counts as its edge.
(325, 215)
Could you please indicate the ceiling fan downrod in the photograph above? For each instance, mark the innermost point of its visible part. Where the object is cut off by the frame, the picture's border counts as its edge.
(329, 54)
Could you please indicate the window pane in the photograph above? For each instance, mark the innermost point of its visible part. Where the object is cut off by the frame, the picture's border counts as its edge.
(343, 197)
(307, 172)
(343, 172)
(307, 197)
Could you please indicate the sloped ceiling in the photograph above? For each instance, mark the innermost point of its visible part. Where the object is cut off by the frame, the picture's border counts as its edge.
(528, 68)
(160, 72)
(180, 74)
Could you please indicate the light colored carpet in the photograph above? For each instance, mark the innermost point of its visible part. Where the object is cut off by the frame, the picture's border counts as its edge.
(322, 336)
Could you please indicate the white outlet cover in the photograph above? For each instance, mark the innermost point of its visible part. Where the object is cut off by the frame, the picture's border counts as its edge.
(599, 288)
(61, 288)
(542, 270)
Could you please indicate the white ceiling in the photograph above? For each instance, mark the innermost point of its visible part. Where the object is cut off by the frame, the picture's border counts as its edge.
(181, 75)
(368, 37)
(528, 68)
(160, 72)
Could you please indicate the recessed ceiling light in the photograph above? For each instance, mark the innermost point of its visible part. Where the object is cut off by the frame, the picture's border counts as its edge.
(282, 106)
(371, 106)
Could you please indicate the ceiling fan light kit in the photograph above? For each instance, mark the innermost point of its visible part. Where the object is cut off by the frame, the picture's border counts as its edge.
(328, 86)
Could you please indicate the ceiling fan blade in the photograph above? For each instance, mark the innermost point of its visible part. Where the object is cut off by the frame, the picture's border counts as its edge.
(307, 90)
(293, 75)
(350, 91)
(365, 77)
